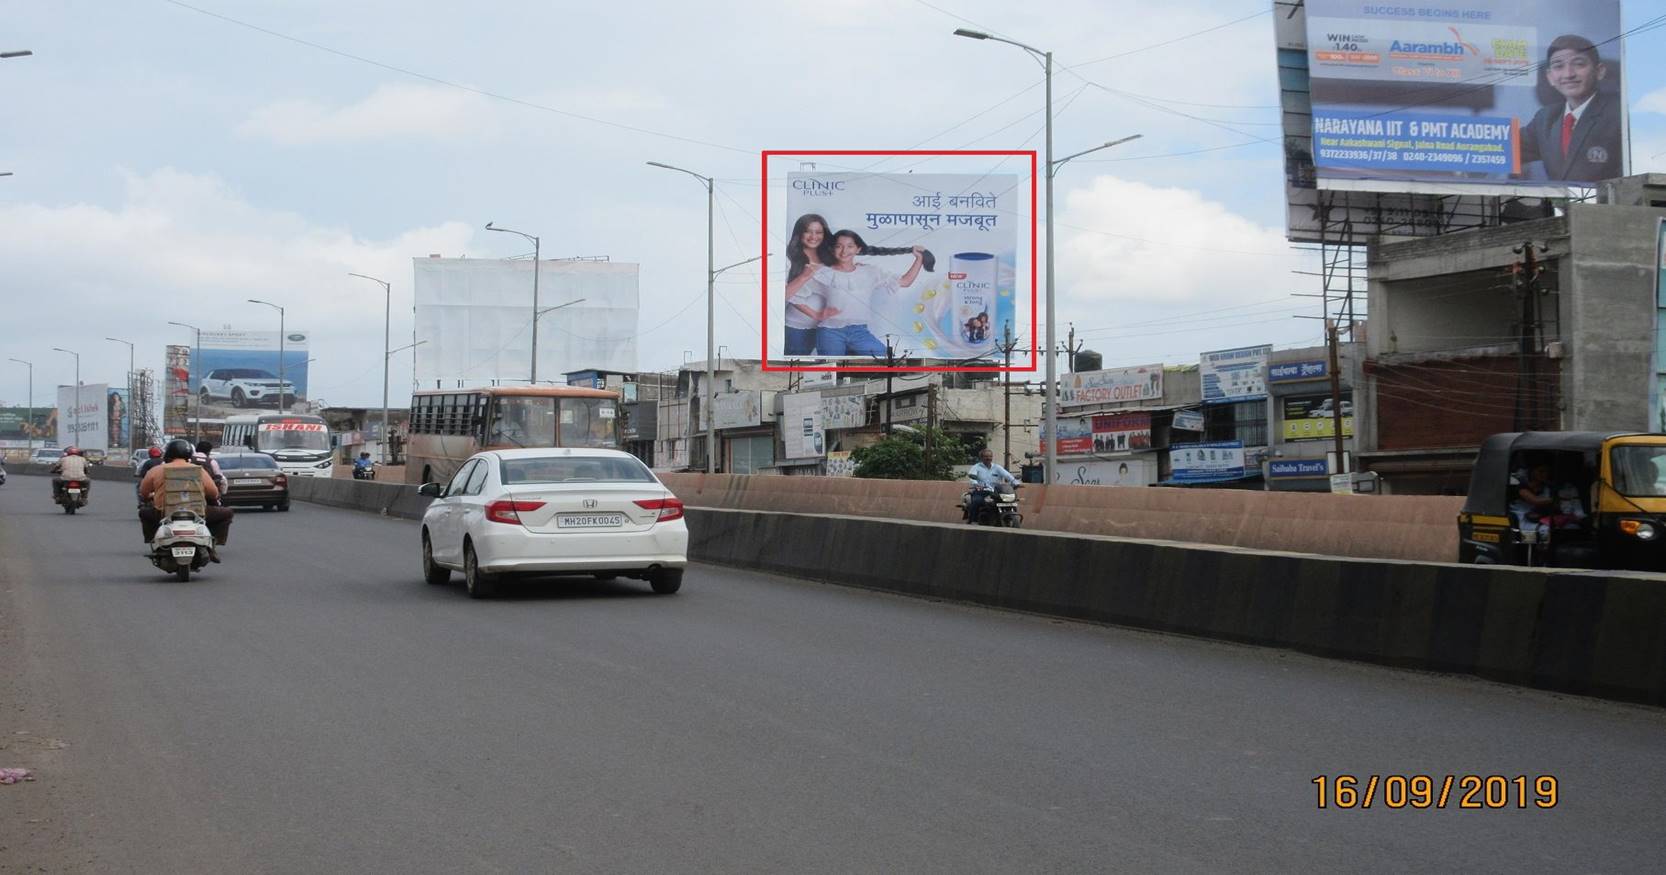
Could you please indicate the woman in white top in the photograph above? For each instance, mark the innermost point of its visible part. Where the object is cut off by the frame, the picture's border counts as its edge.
(849, 289)
(809, 249)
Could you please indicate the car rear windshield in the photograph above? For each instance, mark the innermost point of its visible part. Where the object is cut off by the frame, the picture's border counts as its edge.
(228, 463)
(559, 469)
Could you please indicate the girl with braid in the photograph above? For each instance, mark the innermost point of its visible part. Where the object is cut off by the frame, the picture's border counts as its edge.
(849, 289)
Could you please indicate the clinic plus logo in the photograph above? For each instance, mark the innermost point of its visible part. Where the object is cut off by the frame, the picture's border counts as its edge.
(818, 187)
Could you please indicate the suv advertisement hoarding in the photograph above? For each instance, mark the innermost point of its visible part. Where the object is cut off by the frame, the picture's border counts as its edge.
(239, 372)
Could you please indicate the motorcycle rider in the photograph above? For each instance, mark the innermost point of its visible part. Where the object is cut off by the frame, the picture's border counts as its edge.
(364, 468)
(159, 489)
(986, 476)
(71, 466)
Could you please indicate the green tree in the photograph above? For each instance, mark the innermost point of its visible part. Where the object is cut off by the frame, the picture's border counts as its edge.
(902, 456)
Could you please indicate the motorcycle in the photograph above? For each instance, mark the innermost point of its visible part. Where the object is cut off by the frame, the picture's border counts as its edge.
(364, 472)
(182, 544)
(71, 494)
(2, 475)
(998, 509)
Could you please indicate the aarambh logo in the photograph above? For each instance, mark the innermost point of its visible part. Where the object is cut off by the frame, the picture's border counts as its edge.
(818, 187)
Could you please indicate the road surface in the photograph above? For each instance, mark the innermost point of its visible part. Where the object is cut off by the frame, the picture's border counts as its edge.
(310, 705)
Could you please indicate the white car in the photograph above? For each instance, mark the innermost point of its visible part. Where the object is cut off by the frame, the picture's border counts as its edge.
(138, 460)
(244, 387)
(553, 511)
(46, 456)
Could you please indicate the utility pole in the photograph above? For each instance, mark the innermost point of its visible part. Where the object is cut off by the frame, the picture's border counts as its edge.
(1336, 396)
(1070, 349)
(890, 362)
(1006, 391)
(931, 417)
(1527, 285)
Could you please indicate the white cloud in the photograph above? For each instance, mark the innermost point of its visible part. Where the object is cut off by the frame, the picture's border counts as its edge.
(1198, 260)
(187, 248)
(389, 112)
(1654, 101)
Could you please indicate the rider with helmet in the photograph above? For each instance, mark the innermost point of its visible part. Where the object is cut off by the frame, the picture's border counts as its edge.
(71, 466)
(172, 486)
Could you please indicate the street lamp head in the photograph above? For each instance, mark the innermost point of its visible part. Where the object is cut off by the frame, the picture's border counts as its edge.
(18, 54)
(657, 164)
(970, 34)
(489, 227)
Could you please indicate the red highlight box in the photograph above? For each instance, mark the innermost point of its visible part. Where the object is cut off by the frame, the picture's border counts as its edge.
(764, 264)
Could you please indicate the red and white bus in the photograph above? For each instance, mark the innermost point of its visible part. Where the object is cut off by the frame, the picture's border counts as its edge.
(450, 425)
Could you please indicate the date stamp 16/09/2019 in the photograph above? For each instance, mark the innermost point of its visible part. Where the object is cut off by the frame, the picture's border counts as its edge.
(1486, 792)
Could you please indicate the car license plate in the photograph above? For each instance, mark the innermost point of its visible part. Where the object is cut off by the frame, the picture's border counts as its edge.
(184, 552)
(589, 520)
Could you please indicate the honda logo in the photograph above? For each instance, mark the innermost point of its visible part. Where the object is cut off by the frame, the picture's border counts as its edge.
(589, 503)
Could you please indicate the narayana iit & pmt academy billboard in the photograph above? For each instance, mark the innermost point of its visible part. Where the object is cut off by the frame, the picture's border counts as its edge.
(1448, 96)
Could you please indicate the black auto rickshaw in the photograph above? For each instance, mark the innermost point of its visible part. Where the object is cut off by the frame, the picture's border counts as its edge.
(1606, 507)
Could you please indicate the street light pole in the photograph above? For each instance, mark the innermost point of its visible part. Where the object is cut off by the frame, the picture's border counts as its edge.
(196, 366)
(711, 316)
(387, 340)
(535, 258)
(1050, 400)
(77, 426)
(283, 406)
(31, 429)
(132, 433)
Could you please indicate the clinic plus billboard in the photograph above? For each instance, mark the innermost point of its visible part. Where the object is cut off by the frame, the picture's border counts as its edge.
(929, 259)
(1455, 96)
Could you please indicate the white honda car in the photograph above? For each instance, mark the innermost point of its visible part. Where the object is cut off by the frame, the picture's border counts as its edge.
(553, 511)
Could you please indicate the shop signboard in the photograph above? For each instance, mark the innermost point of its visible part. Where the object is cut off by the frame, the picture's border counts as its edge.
(1309, 417)
(802, 435)
(1234, 374)
(1207, 462)
(1142, 383)
(1121, 432)
(1297, 372)
(1075, 436)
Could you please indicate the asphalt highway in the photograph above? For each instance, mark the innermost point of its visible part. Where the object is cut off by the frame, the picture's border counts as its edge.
(311, 705)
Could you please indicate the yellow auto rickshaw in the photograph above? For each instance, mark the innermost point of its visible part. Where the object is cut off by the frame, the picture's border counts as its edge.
(1567, 500)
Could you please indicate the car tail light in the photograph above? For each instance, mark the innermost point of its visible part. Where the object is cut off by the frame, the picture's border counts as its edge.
(509, 511)
(669, 508)
(280, 480)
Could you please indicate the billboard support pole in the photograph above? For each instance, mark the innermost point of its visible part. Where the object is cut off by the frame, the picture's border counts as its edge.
(77, 417)
(30, 430)
(283, 406)
(387, 354)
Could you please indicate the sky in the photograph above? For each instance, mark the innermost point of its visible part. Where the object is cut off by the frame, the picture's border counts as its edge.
(173, 159)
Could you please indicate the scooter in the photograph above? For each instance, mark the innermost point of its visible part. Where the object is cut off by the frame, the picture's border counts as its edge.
(71, 494)
(998, 508)
(182, 544)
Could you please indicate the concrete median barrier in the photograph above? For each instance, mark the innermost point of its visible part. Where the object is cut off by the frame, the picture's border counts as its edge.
(1592, 633)
(1420, 528)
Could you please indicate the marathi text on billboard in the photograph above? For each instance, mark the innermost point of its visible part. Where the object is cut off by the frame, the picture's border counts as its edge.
(1143, 383)
(927, 258)
(1444, 93)
(1235, 374)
